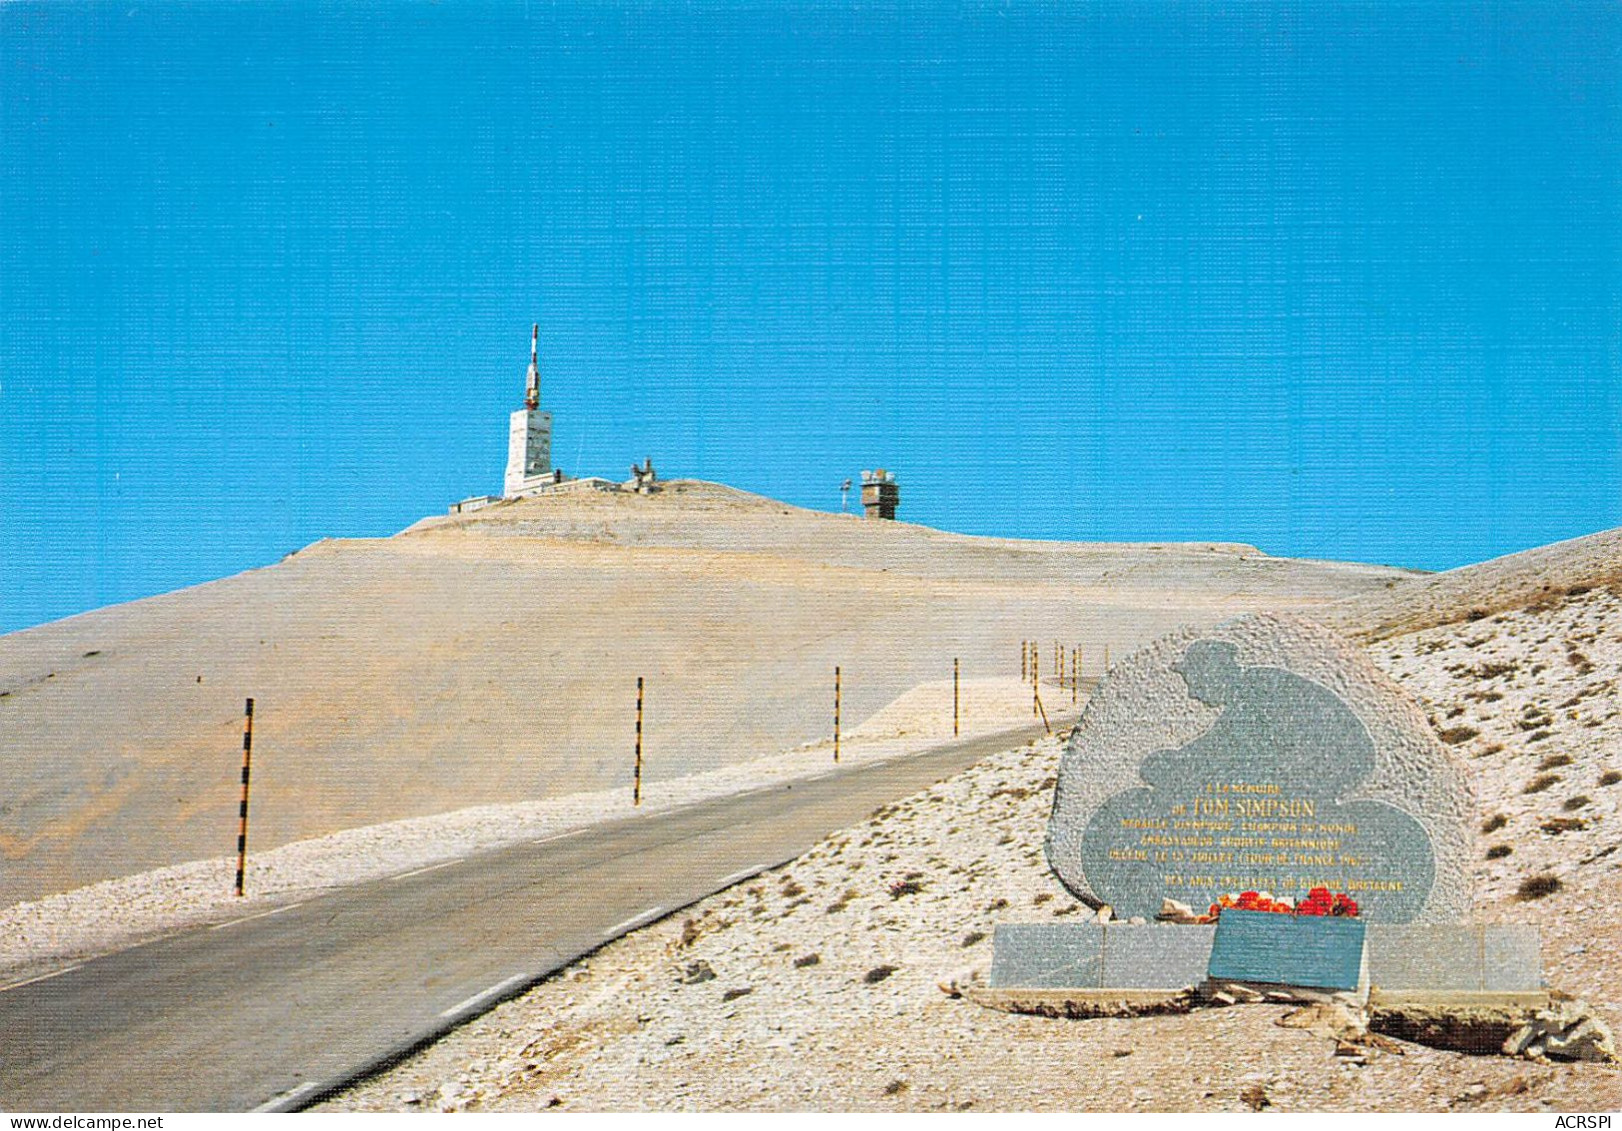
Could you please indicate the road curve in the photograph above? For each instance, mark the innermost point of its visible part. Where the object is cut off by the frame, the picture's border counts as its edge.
(278, 1009)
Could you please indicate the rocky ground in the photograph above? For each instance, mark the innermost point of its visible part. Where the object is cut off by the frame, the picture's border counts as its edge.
(819, 986)
(1530, 698)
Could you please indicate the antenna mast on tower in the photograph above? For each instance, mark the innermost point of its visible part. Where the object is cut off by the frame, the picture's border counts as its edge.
(532, 384)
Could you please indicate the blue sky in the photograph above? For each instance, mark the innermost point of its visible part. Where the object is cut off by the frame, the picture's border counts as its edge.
(1339, 280)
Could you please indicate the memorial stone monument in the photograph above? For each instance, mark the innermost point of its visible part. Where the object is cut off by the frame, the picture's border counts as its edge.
(1265, 754)
(1269, 755)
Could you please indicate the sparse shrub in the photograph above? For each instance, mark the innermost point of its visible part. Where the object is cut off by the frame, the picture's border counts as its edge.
(1455, 735)
(876, 975)
(1578, 590)
(792, 889)
(1574, 803)
(997, 905)
(843, 901)
(1541, 783)
(1499, 851)
(973, 937)
(1538, 735)
(1555, 761)
(737, 992)
(1042, 897)
(1492, 669)
(895, 1087)
(1493, 823)
(1610, 777)
(1536, 887)
(905, 887)
(1476, 614)
(690, 932)
(1255, 1097)
(1489, 749)
(1554, 826)
(805, 960)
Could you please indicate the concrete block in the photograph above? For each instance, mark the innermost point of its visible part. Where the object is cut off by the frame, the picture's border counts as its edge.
(1455, 958)
(1152, 956)
(1047, 955)
(1156, 955)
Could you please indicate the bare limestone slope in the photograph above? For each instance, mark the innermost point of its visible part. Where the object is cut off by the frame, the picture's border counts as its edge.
(492, 657)
(819, 986)
(1532, 577)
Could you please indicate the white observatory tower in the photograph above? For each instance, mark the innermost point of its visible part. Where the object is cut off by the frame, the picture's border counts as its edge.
(529, 436)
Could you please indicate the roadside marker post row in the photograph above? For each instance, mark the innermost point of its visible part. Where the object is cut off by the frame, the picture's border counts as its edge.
(1029, 662)
(636, 778)
(242, 810)
(836, 714)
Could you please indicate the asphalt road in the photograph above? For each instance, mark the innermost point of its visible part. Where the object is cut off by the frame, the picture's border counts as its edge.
(282, 1007)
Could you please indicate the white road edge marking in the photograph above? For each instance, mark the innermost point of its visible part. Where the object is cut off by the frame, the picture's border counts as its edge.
(746, 874)
(41, 977)
(559, 836)
(429, 868)
(271, 1105)
(635, 921)
(260, 915)
(485, 995)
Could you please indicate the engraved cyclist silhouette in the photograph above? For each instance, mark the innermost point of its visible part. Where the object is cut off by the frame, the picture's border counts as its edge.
(1296, 741)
